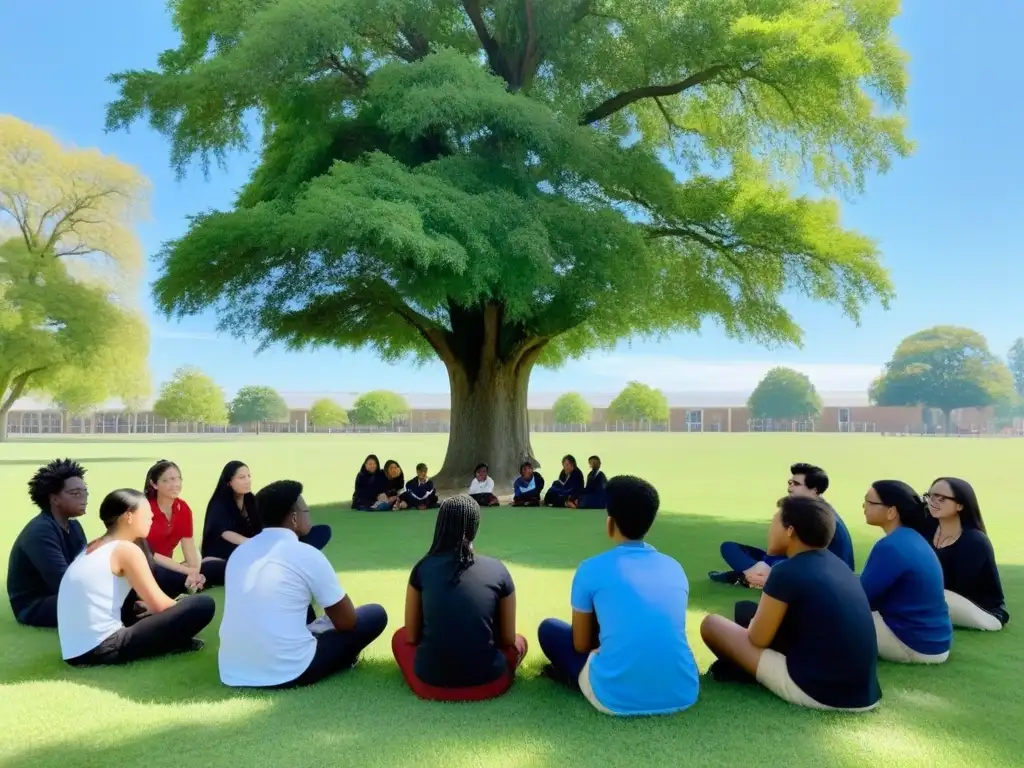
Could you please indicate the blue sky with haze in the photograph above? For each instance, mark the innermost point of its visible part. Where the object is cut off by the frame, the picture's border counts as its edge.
(948, 219)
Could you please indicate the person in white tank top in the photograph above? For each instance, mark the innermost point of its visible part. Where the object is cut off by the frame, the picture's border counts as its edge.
(111, 573)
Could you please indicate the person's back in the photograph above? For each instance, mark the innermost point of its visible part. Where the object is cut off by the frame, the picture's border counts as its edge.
(827, 633)
(842, 543)
(269, 583)
(639, 596)
(89, 601)
(458, 646)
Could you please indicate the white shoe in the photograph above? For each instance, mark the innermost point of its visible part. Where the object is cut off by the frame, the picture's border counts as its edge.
(320, 625)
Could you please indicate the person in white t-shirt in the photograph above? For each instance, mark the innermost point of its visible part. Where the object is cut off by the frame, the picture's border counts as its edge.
(482, 487)
(267, 638)
(111, 572)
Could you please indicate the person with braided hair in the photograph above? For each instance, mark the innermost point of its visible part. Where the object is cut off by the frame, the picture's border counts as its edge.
(459, 642)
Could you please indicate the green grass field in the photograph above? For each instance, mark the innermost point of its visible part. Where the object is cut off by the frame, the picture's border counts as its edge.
(714, 487)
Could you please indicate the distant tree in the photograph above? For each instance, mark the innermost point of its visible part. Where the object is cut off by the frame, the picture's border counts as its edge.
(572, 408)
(256, 404)
(785, 395)
(1016, 362)
(191, 397)
(325, 413)
(639, 403)
(378, 408)
(945, 367)
(504, 184)
(70, 265)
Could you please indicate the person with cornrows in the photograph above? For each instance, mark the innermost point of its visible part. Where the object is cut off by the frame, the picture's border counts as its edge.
(173, 525)
(903, 579)
(92, 624)
(459, 642)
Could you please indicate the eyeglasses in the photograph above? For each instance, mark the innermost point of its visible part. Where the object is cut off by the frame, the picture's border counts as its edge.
(937, 498)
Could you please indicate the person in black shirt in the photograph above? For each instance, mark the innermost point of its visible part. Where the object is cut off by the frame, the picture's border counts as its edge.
(46, 546)
(370, 494)
(231, 517)
(812, 639)
(593, 496)
(459, 642)
(569, 484)
(974, 592)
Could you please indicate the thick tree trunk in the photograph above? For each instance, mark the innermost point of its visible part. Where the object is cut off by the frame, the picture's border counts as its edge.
(3, 424)
(489, 424)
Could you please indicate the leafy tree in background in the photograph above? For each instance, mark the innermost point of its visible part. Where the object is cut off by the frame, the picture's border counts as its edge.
(639, 403)
(378, 408)
(1016, 362)
(256, 404)
(191, 397)
(325, 413)
(572, 408)
(510, 183)
(69, 272)
(945, 367)
(785, 395)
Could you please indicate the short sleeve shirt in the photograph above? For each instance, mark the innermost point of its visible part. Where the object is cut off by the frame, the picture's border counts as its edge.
(167, 532)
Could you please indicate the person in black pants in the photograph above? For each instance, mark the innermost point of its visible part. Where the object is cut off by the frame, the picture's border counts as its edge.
(48, 543)
(91, 605)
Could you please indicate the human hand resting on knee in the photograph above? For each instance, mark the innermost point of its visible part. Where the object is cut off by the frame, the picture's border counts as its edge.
(757, 574)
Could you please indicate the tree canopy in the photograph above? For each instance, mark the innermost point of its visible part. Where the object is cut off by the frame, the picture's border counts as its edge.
(784, 394)
(255, 404)
(191, 397)
(572, 408)
(516, 182)
(639, 403)
(378, 408)
(326, 414)
(945, 367)
(1015, 359)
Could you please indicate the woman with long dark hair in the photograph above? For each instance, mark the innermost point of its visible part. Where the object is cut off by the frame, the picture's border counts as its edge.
(974, 591)
(370, 494)
(459, 642)
(394, 484)
(98, 583)
(569, 484)
(903, 579)
(231, 517)
(173, 526)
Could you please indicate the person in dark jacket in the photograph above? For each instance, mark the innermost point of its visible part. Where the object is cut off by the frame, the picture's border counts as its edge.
(593, 496)
(395, 484)
(370, 493)
(569, 484)
(48, 543)
(419, 492)
(527, 488)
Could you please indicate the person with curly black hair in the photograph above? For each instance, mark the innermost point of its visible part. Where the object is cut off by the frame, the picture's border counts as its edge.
(46, 546)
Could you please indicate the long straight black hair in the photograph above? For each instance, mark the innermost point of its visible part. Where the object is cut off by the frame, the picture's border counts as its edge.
(964, 495)
(911, 508)
(458, 520)
(223, 494)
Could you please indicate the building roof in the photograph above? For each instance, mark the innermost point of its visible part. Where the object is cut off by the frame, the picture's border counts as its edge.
(425, 401)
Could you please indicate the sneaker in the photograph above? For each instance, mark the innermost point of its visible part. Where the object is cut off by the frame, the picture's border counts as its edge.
(725, 577)
(194, 644)
(726, 672)
(320, 625)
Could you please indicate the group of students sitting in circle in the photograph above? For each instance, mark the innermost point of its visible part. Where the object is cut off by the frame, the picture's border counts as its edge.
(383, 488)
(813, 639)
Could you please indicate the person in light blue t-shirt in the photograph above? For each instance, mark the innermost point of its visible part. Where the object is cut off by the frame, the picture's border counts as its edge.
(626, 648)
(903, 579)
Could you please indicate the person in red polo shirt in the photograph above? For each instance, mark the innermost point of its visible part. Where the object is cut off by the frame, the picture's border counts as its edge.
(172, 525)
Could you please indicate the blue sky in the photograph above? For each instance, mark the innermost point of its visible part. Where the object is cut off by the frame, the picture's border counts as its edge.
(948, 219)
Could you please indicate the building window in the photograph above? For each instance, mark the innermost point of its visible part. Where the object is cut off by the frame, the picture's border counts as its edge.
(695, 421)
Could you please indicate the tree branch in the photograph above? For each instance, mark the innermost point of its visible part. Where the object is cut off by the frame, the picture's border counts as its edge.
(622, 100)
(18, 387)
(528, 65)
(495, 58)
(431, 332)
(356, 76)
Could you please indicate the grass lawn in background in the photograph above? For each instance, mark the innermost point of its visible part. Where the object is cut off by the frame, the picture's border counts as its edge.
(174, 712)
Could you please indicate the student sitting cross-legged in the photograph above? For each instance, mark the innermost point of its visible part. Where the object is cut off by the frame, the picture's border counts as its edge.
(459, 642)
(593, 496)
(48, 544)
(370, 494)
(626, 648)
(481, 488)
(91, 620)
(266, 635)
(419, 492)
(568, 486)
(903, 579)
(527, 488)
(811, 640)
(395, 484)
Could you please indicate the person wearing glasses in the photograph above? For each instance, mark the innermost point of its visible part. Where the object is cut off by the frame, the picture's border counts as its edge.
(749, 566)
(974, 592)
(49, 542)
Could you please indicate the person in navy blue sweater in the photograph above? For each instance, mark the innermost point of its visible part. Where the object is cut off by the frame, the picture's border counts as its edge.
(527, 488)
(903, 579)
(419, 492)
(568, 486)
(370, 493)
(749, 566)
(593, 496)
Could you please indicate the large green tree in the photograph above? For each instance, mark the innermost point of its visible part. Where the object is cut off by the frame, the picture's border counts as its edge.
(945, 367)
(327, 414)
(572, 409)
(191, 397)
(499, 184)
(785, 395)
(378, 408)
(638, 403)
(256, 404)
